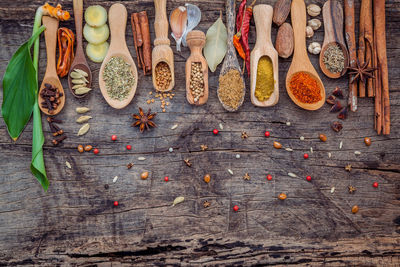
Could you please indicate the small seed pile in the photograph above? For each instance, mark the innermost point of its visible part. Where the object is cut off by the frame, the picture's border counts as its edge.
(334, 58)
(196, 81)
(163, 99)
(80, 82)
(163, 76)
(118, 78)
(51, 97)
(230, 90)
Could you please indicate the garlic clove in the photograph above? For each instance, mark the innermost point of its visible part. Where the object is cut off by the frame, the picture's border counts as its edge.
(194, 17)
(178, 23)
(315, 24)
(309, 32)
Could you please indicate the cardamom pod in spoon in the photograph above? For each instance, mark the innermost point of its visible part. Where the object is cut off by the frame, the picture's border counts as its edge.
(178, 23)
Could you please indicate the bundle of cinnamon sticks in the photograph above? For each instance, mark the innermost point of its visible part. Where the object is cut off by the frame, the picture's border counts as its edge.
(141, 39)
(371, 59)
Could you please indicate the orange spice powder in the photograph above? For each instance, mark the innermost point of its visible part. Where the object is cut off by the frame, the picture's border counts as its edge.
(305, 88)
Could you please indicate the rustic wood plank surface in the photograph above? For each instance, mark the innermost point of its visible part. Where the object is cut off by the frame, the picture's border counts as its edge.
(75, 222)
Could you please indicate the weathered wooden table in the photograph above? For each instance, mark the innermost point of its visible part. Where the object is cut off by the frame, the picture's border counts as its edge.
(75, 222)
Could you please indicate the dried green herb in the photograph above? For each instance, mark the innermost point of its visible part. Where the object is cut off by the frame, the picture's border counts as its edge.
(334, 58)
(118, 78)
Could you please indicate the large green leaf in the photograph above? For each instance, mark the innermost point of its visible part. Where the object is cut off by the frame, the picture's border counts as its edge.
(19, 89)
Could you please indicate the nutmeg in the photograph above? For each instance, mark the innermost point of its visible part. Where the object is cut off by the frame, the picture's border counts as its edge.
(313, 10)
(281, 11)
(284, 40)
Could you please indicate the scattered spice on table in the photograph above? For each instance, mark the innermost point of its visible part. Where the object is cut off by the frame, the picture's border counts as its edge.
(144, 175)
(113, 137)
(246, 176)
(207, 178)
(361, 72)
(178, 200)
(305, 88)
(187, 162)
(337, 92)
(87, 148)
(96, 151)
(343, 113)
(128, 147)
(206, 204)
(129, 165)
(265, 82)
(282, 196)
(230, 90)
(166, 178)
(80, 149)
(235, 208)
(118, 78)
(116, 203)
(367, 141)
(215, 131)
(323, 137)
(336, 126)
(337, 106)
(348, 167)
(277, 145)
(203, 147)
(267, 134)
(84, 129)
(352, 189)
(334, 58)
(375, 184)
(163, 76)
(144, 120)
(244, 135)
(308, 178)
(354, 209)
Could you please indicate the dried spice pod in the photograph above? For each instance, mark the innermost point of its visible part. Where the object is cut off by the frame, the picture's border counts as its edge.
(80, 148)
(207, 178)
(84, 129)
(323, 137)
(336, 126)
(331, 100)
(284, 43)
(83, 119)
(367, 141)
(144, 175)
(281, 11)
(82, 110)
(277, 145)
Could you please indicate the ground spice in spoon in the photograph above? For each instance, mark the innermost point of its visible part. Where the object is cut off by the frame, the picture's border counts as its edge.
(334, 58)
(305, 88)
(231, 88)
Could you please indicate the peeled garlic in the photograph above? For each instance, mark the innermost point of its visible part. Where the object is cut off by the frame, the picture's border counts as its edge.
(309, 32)
(314, 24)
(313, 10)
(314, 48)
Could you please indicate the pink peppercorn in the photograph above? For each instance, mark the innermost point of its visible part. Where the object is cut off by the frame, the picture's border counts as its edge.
(166, 178)
(129, 147)
(267, 134)
(269, 177)
(113, 137)
(375, 184)
(215, 131)
(115, 203)
(305, 155)
(96, 151)
(308, 178)
(235, 208)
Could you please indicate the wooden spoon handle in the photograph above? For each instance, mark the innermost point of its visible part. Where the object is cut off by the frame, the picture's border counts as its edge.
(263, 19)
(230, 22)
(332, 12)
(117, 17)
(78, 14)
(161, 22)
(298, 15)
(50, 35)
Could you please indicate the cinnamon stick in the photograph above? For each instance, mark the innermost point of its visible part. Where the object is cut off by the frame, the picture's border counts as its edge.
(361, 45)
(379, 20)
(351, 46)
(145, 30)
(135, 41)
(369, 45)
(378, 96)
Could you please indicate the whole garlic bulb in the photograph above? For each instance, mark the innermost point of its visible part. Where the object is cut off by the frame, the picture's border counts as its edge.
(313, 10)
(314, 24)
(309, 32)
(314, 48)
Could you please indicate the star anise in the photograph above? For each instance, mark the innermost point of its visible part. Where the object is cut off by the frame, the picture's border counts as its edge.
(188, 163)
(206, 204)
(144, 120)
(348, 167)
(244, 135)
(246, 176)
(203, 147)
(352, 189)
(361, 72)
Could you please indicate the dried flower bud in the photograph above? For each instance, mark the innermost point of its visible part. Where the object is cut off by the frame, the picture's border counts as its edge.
(314, 48)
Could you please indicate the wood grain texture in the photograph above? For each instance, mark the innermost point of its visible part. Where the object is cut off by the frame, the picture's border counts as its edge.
(75, 223)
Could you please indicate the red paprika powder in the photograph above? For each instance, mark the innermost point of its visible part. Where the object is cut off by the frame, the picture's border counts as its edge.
(305, 88)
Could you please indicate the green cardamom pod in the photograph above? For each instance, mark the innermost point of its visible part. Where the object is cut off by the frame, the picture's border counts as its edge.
(76, 86)
(84, 74)
(76, 75)
(83, 119)
(84, 129)
(78, 81)
(82, 91)
(82, 110)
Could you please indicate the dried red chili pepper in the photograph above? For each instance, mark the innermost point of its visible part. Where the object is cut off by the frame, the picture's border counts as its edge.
(245, 33)
(237, 44)
(239, 17)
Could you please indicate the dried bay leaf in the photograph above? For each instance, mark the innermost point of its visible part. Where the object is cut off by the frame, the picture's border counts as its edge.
(84, 129)
(178, 200)
(215, 48)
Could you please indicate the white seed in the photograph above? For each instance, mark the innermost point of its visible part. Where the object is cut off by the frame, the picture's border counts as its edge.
(171, 149)
(340, 144)
(174, 126)
(329, 154)
(357, 152)
(302, 138)
(291, 174)
(332, 190)
(221, 126)
(178, 200)
(115, 179)
(311, 150)
(237, 156)
(68, 165)
(141, 158)
(288, 149)
(84, 129)
(288, 123)
(230, 171)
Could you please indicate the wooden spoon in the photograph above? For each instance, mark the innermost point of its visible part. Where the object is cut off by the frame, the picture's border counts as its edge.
(263, 47)
(301, 62)
(332, 12)
(51, 77)
(117, 17)
(79, 60)
(230, 61)
(196, 41)
(162, 51)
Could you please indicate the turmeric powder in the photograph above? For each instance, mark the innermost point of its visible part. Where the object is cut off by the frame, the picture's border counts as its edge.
(265, 82)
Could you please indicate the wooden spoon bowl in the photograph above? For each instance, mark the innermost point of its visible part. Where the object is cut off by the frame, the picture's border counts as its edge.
(332, 12)
(301, 62)
(117, 17)
(51, 77)
(196, 41)
(79, 60)
(263, 47)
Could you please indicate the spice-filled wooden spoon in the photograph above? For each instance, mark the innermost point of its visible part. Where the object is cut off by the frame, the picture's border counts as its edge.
(231, 87)
(196, 88)
(79, 60)
(307, 90)
(47, 97)
(334, 45)
(162, 55)
(264, 74)
(117, 17)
